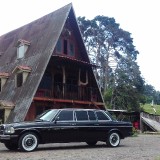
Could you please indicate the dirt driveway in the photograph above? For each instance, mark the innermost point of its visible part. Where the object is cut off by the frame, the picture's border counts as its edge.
(143, 147)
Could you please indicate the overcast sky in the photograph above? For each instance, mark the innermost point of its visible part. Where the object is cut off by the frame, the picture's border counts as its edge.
(139, 17)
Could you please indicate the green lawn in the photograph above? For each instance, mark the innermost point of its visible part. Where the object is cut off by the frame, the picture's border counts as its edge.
(149, 109)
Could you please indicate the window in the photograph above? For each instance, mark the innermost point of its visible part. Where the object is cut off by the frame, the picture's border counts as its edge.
(22, 46)
(19, 79)
(65, 47)
(91, 115)
(81, 115)
(22, 73)
(65, 116)
(59, 46)
(21, 50)
(71, 49)
(101, 116)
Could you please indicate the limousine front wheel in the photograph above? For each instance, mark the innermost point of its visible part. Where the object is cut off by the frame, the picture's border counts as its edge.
(28, 142)
(113, 139)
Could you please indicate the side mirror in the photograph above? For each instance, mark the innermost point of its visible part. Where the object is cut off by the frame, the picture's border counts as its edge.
(56, 119)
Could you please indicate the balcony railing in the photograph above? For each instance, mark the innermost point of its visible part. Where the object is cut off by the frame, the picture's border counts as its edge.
(70, 92)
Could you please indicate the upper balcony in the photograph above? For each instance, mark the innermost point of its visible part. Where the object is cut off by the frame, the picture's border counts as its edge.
(69, 93)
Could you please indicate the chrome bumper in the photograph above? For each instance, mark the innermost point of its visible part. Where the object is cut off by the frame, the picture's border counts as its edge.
(7, 137)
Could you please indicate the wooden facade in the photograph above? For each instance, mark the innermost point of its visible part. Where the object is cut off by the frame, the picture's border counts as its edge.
(68, 80)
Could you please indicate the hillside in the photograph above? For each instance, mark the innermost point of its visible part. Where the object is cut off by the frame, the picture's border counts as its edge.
(149, 109)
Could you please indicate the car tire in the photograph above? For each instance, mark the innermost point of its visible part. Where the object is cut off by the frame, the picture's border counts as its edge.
(28, 142)
(92, 143)
(11, 146)
(113, 139)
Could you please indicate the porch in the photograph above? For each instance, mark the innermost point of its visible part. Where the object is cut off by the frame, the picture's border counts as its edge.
(69, 82)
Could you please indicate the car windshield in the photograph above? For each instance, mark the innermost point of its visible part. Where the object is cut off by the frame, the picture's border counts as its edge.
(47, 115)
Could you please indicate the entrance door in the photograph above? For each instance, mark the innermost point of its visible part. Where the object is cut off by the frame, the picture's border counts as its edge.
(58, 85)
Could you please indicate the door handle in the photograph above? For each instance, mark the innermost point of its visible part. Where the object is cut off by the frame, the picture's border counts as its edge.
(96, 124)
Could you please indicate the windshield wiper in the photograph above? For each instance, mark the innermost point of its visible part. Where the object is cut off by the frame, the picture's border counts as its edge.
(39, 120)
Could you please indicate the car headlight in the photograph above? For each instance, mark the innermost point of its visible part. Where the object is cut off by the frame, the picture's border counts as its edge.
(9, 130)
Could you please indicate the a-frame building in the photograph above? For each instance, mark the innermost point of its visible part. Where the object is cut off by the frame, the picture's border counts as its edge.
(44, 65)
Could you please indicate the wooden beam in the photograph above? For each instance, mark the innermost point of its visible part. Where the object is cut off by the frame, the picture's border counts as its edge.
(67, 101)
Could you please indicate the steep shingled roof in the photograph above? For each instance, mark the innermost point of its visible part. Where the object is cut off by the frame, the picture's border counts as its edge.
(43, 35)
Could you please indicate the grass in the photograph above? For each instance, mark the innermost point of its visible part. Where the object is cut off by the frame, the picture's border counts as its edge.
(149, 109)
(158, 158)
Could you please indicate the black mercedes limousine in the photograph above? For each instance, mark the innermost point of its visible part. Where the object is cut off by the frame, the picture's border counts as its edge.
(65, 125)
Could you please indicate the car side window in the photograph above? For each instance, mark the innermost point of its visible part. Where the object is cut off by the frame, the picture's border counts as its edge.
(102, 116)
(81, 115)
(91, 115)
(65, 116)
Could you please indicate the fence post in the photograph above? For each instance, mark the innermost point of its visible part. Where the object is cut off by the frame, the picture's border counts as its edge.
(141, 123)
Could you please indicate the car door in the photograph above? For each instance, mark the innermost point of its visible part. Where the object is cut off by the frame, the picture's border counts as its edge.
(104, 125)
(63, 128)
(94, 130)
(86, 125)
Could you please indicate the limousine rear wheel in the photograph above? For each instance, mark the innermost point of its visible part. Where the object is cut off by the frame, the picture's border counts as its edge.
(28, 142)
(113, 139)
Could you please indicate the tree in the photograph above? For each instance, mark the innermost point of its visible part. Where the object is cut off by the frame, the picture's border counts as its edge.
(111, 48)
(106, 43)
(127, 92)
(151, 94)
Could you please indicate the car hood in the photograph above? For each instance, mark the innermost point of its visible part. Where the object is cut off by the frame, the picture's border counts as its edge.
(28, 124)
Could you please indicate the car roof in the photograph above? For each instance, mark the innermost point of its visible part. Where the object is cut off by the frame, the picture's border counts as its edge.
(78, 109)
